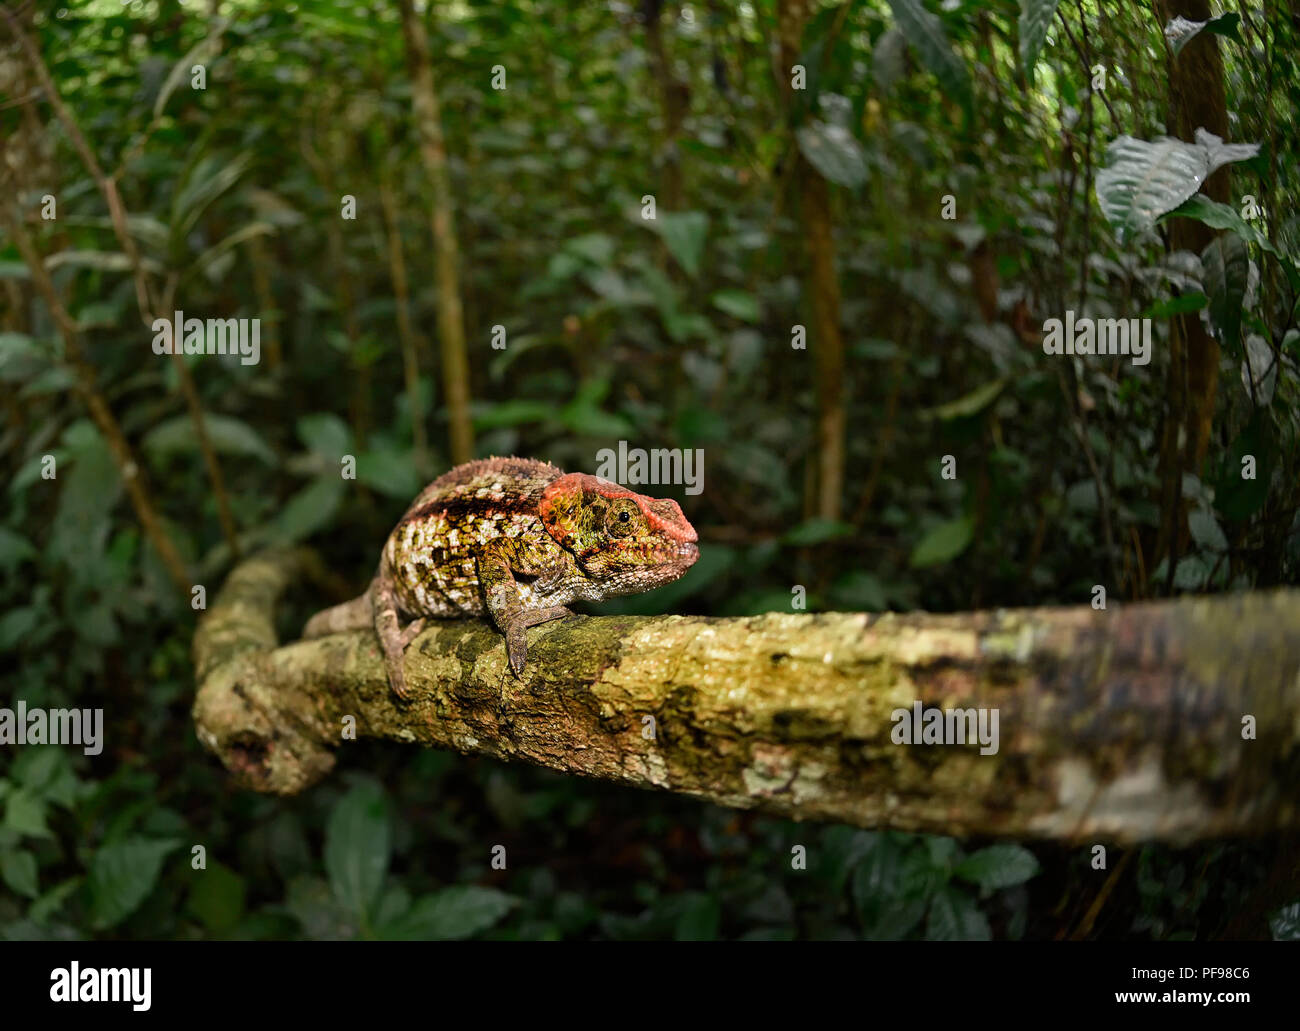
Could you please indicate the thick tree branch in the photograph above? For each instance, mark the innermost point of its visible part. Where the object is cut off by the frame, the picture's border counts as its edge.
(1118, 725)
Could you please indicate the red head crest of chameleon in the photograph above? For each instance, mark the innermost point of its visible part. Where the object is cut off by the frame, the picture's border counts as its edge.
(624, 541)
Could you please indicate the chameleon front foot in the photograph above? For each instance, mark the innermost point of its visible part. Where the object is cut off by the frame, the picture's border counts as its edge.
(516, 638)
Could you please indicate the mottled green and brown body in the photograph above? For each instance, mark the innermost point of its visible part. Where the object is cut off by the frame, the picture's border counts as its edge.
(517, 540)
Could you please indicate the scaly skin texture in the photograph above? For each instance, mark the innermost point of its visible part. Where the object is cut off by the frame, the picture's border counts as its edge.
(517, 540)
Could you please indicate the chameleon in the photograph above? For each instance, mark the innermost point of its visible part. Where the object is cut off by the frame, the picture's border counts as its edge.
(516, 540)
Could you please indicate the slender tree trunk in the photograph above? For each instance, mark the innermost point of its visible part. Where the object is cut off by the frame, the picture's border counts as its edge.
(260, 263)
(405, 333)
(823, 290)
(675, 100)
(451, 320)
(347, 305)
(1197, 99)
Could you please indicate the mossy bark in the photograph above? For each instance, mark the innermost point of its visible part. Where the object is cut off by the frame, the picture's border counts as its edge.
(1118, 725)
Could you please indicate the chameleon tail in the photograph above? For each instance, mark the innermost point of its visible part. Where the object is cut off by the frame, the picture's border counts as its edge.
(356, 614)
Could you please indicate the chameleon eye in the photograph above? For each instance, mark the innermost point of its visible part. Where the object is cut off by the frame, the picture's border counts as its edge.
(621, 519)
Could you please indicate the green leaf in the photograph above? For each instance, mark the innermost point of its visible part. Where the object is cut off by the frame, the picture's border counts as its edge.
(1227, 269)
(584, 416)
(229, 435)
(86, 499)
(955, 917)
(325, 434)
(207, 264)
(122, 875)
(147, 229)
(52, 901)
(841, 850)
(739, 304)
(1142, 181)
(972, 404)
(860, 591)
(226, 434)
(1285, 923)
(1221, 216)
(1218, 153)
(1238, 499)
(1191, 573)
(461, 911)
(208, 180)
(597, 248)
(943, 543)
(834, 151)
(998, 866)
(20, 355)
(1180, 305)
(54, 380)
(17, 626)
(1035, 19)
(15, 549)
(357, 846)
(200, 53)
(314, 906)
(311, 509)
(699, 919)
(816, 531)
(103, 261)
(1180, 31)
(896, 921)
(878, 879)
(389, 472)
(1259, 370)
(1206, 530)
(875, 349)
(1082, 496)
(394, 903)
(888, 58)
(925, 32)
(39, 769)
(516, 412)
(683, 233)
(100, 314)
(941, 850)
(18, 869)
(216, 898)
(562, 266)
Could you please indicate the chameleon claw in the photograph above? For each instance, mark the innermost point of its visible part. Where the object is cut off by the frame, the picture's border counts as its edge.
(517, 649)
(397, 681)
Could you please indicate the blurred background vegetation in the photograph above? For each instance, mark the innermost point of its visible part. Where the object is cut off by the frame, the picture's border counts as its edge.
(223, 193)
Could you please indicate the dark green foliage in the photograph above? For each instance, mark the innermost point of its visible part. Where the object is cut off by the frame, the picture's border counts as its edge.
(673, 333)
